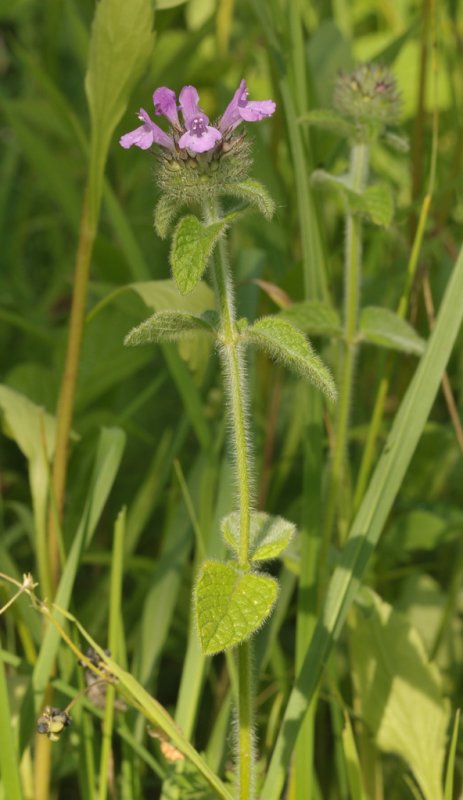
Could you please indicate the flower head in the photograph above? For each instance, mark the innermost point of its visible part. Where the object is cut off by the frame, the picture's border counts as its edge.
(368, 95)
(195, 134)
(197, 158)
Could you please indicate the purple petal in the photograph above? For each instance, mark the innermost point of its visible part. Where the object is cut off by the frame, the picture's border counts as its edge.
(165, 103)
(240, 108)
(199, 136)
(189, 104)
(146, 135)
(256, 110)
(231, 116)
(200, 142)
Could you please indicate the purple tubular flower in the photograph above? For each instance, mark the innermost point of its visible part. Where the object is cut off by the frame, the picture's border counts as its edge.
(146, 135)
(240, 108)
(165, 103)
(199, 136)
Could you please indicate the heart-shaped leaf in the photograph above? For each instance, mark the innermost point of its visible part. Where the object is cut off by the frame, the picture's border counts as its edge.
(192, 245)
(269, 535)
(231, 605)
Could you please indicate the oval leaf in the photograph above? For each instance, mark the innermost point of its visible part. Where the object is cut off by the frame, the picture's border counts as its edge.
(192, 245)
(283, 342)
(168, 326)
(385, 328)
(269, 535)
(231, 605)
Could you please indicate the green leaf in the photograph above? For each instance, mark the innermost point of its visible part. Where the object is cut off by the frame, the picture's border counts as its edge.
(231, 605)
(164, 296)
(192, 245)
(169, 326)
(34, 431)
(269, 535)
(283, 342)
(385, 328)
(400, 691)
(314, 317)
(375, 203)
(397, 142)
(255, 193)
(121, 43)
(164, 214)
(161, 5)
(331, 121)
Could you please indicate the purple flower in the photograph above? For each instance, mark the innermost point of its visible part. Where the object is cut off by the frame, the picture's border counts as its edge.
(199, 135)
(195, 134)
(240, 108)
(146, 134)
(165, 103)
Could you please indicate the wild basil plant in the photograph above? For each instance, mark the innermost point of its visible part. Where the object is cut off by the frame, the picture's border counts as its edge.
(204, 166)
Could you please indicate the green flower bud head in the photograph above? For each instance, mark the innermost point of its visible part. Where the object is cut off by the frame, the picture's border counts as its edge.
(369, 96)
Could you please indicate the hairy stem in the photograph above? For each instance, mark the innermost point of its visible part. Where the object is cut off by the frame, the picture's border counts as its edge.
(233, 365)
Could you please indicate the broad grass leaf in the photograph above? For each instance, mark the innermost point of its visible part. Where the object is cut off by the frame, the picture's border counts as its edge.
(231, 605)
(168, 326)
(192, 245)
(288, 346)
(314, 317)
(385, 328)
(400, 691)
(269, 535)
(121, 43)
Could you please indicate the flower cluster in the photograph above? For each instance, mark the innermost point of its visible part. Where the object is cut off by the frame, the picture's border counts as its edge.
(197, 160)
(194, 133)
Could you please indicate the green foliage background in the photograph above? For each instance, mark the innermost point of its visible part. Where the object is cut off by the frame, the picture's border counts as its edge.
(149, 430)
